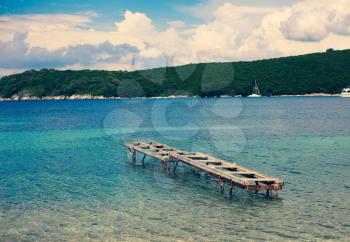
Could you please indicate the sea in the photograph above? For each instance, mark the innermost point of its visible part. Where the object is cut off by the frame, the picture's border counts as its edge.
(66, 176)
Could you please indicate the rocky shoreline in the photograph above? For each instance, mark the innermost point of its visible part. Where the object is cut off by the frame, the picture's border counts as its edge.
(76, 97)
(313, 95)
(90, 97)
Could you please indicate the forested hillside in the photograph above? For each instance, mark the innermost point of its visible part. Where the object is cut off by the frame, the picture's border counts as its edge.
(326, 72)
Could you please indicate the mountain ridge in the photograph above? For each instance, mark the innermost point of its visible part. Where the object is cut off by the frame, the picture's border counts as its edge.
(326, 72)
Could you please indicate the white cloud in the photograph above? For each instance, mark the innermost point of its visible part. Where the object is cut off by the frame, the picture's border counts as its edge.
(307, 26)
(231, 32)
(10, 24)
(314, 20)
(204, 9)
(19, 55)
(271, 38)
(220, 38)
(135, 24)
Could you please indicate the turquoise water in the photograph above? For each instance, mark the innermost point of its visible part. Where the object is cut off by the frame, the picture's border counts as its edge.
(64, 174)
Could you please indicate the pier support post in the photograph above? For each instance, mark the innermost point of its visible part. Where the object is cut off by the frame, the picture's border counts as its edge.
(267, 193)
(134, 156)
(256, 183)
(165, 164)
(231, 189)
(143, 160)
(222, 185)
(176, 163)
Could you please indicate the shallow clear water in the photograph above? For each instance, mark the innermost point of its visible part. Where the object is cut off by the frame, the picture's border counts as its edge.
(64, 174)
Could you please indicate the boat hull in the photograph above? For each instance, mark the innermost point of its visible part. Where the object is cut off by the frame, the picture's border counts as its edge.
(345, 92)
(254, 95)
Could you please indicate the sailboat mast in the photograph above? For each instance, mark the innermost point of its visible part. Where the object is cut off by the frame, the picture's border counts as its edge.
(256, 91)
(256, 88)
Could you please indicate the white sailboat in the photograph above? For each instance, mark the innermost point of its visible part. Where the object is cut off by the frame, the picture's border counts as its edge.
(345, 92)
(256, 92)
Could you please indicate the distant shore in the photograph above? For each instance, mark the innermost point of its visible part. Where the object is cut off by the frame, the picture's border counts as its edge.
(311, 95)
(80, 97)
(90, 97)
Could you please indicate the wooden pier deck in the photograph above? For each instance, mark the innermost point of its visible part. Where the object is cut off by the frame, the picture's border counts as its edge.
(226, 172)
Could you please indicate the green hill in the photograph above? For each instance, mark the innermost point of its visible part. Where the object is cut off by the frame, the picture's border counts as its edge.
(326, 72)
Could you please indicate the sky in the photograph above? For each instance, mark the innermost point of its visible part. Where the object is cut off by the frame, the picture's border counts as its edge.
(129, 35)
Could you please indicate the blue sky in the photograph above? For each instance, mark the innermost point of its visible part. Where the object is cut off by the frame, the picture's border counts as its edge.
(111, 10)
(108, 10)
(111, 34)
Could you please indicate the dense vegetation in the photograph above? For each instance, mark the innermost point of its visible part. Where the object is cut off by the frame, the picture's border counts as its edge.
(325, 72)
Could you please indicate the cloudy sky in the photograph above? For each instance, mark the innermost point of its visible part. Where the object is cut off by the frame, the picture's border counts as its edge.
(128, 35)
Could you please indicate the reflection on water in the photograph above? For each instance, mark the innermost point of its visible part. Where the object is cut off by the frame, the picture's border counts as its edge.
(64, 174)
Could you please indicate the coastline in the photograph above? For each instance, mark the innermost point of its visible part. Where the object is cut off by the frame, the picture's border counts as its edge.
(311, 95)
(90, 97)
(82, 97)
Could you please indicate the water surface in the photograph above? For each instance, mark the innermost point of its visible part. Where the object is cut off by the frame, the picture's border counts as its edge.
(64, 174)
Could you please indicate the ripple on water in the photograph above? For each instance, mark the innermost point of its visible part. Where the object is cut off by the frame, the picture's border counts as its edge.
(69, 178)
